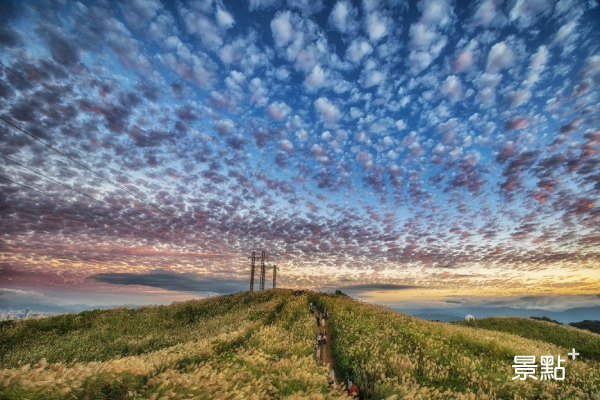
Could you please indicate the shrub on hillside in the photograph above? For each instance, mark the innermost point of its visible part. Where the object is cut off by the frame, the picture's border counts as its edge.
(589, 325)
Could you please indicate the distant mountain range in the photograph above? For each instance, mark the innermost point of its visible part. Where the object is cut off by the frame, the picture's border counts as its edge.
(459, 313)
(441, 314)
(55, 308)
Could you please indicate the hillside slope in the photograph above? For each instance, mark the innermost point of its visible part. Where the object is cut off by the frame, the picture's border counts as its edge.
(586, 343)
(391, 354)
(259, 345)
(247, 345)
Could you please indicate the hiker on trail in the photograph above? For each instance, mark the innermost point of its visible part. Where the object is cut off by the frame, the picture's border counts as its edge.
(322, 322)
(331, 377)
(325, 338)
(354, 390)
(318, 353)
(319, 338)
(349, 385)
(318, 321)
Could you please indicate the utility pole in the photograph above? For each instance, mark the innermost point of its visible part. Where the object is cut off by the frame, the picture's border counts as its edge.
(262, 270)
(274, 276)
(252, 270)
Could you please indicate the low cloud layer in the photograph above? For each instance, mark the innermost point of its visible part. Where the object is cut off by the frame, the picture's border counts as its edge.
(167, 280)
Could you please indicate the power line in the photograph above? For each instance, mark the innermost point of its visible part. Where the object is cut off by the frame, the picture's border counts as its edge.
(52, 101)
(88, 169)
(69, 203)
(83, 166)
(72, 188)
(70, 158)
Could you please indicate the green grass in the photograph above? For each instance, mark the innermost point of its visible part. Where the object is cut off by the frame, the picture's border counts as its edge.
(586, 343)
(261, 343)
(100, 335)
(230, 346)
(387, 353)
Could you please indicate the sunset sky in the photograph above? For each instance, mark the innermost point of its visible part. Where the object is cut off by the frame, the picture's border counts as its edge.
(424, 152)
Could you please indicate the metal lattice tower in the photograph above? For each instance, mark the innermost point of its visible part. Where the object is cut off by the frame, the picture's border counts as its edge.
(252, 270)
(262, 270)
(274, 276)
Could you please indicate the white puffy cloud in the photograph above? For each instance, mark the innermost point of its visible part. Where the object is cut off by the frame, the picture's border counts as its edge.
(452, 88)
(281, 28)
(489, 14)
(224, 19)
(465, 57)
(278, 110)
(202, 26)
(316, 79)
(566, 35)
(526, 13)
(437, 12)
(427, 38)
(536, 66)
(358, 49)
(378, 25)
(500, 56)
(225, 127)
(302, 135)
(426, 45)
(258, 93)
(539, 59)
(372, 77)
(343, 16)
(401, 125)
(139, 12)
(517, 98)
(366, 159)
(244, 53)
(162, 26)
(282, 73)
(327, 110)
(487, 83)
(286, 145)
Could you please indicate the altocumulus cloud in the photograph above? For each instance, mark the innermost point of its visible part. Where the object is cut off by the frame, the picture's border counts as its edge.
(167, 280)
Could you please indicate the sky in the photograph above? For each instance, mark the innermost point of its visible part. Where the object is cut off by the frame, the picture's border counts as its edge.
(426, 152)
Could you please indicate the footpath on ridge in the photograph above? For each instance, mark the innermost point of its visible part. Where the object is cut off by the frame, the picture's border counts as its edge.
(326, 357)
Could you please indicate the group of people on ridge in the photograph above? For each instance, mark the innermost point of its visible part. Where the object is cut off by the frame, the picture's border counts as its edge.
(320, 318)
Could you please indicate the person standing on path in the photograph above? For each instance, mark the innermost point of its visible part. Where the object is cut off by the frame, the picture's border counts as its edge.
(331, 378)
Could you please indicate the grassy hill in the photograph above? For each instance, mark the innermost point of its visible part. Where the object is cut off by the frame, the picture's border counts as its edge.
(586, 343)
(239, 346)
(391, 354)
(259, 345)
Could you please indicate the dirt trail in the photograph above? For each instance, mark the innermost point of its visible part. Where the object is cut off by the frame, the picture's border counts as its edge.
(327, 358)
